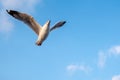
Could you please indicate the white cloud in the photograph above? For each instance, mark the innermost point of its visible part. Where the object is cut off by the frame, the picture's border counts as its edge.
(22, 5)
(115, 50)
(74, 68)
(101, 59)
(116, 77)
(109, 53)
(19, 4)
(5, 25)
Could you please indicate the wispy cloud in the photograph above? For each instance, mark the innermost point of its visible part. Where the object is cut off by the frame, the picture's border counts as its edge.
(24, 5)
(74, 68)
(115, 50)
(101, 59)
(19, 4)
(116, 77)
(109, 53)
(5, 24)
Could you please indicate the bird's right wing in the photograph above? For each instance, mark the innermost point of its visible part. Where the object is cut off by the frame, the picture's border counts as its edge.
(29, 20)
(57, 25)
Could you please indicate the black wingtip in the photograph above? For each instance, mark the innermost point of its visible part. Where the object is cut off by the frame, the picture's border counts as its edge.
(64, 22)
(7, 11)
(11, 12)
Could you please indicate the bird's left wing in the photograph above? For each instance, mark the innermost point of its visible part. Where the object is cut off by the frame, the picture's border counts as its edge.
(29, 20)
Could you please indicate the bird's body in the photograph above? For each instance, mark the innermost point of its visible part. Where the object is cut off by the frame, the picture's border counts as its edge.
(42, 32)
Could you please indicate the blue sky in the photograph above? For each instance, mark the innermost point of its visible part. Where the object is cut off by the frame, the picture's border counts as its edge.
(87, 47)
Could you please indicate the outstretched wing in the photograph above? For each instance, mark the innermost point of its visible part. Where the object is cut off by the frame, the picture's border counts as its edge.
(57, 25)
(29, 20)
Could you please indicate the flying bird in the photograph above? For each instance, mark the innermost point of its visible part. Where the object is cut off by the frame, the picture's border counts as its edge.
(41, 31)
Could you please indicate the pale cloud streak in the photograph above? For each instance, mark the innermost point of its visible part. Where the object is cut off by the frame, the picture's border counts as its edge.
(19, 4)
(116, 77)
(75, 68)
(115, 50)
(6, 25)
(109, 53)
(101, 59)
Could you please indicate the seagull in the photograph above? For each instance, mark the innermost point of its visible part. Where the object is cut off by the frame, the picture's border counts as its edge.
(41, 31)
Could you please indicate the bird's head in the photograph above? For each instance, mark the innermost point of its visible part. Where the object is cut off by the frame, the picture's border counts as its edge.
(48, 22)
